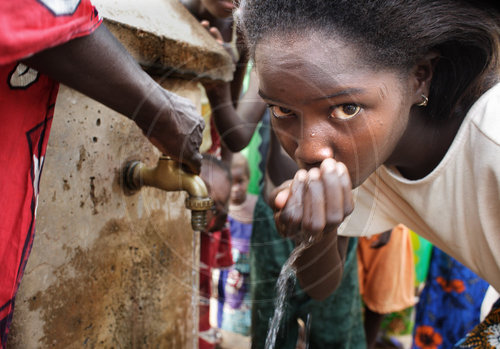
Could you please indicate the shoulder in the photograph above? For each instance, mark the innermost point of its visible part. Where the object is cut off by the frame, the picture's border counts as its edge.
(484, 115)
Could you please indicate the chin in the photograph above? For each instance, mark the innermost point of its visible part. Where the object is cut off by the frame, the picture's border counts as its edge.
(237, 200)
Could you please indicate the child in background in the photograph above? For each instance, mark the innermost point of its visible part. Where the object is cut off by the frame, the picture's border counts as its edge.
(215, 242)
(217, 17)
(234, 283)
(386, 273)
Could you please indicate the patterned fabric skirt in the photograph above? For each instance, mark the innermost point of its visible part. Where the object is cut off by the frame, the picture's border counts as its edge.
(486, 335)
(449, 305)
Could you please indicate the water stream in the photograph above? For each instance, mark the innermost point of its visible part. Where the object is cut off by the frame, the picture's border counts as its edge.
(284, 287)
(195, 288)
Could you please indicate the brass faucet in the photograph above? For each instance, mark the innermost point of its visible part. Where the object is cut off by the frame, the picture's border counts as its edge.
(168, 175)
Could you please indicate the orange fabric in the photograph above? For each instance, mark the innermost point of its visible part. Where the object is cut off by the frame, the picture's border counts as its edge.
(387, 274)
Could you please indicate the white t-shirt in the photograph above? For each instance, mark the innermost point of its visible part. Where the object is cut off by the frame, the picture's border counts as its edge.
(456, 206)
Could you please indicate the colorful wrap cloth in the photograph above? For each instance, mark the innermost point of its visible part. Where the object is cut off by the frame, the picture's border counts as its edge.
(486, 335)
(215, 252)
(387, 273)
(234, 313)
(449, 304)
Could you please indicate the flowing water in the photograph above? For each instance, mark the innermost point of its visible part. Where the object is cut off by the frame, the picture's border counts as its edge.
(284, 287)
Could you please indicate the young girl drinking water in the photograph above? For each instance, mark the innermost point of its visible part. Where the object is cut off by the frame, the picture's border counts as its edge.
(397, 99)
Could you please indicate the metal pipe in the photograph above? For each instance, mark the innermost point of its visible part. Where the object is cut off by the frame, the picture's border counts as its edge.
(168, 175)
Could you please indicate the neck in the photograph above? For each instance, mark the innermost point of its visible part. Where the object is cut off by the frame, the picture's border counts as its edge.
(424, 144)
(239, 203)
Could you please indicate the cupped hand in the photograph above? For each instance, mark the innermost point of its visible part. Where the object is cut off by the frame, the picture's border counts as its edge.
(314, 202)
(178, 131)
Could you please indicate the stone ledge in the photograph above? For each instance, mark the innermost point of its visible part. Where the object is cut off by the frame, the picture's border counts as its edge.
(166, 39)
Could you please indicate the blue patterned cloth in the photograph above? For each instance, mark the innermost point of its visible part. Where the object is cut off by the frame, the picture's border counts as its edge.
(234, 309)
(449, 305)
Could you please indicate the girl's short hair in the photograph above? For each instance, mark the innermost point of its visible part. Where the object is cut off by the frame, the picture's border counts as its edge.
(395, 34)
(212, 160)
(239, 160)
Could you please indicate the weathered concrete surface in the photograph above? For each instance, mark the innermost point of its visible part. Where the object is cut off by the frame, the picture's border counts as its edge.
(107, 270)
(163, 36)
(110, 270)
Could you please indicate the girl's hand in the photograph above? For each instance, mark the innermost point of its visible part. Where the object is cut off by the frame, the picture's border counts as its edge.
(314, 203)
(216, 34)
(213, 31)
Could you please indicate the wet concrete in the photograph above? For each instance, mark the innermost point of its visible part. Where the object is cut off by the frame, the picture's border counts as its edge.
(108, 269)
(112, 269)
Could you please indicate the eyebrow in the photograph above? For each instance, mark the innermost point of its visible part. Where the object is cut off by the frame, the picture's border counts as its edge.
(348, 91)
(263, 96)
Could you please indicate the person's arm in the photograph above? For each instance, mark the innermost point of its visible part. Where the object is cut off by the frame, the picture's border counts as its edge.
(320, 267)
(236, 126)
(98, 66)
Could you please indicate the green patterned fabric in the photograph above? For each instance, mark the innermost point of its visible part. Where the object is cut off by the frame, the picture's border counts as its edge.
(254, 157)
(334, 323)
(422, 249)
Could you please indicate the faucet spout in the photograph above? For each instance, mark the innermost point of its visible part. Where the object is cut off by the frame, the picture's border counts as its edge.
(168, 175)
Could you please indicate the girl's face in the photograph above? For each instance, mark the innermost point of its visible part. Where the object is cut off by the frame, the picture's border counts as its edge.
(325, 102)
(219, 8)
(219, 189)
(239, 186)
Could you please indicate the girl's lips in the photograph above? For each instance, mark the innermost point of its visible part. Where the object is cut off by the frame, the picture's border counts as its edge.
(227, 5)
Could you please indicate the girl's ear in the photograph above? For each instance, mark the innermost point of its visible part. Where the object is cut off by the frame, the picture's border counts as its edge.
(421, 76)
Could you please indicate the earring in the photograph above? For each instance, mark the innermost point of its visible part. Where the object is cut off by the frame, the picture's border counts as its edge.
(424, 102)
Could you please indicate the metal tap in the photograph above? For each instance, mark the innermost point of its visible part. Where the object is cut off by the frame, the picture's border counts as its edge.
(168, 175)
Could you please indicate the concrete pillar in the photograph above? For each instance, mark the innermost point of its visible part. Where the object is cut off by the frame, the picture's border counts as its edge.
(109, 269)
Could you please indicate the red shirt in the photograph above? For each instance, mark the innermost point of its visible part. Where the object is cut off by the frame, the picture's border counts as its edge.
(27, 101)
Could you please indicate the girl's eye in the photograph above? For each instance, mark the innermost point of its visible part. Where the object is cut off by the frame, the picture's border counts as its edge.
(345, 111)
(281, 112)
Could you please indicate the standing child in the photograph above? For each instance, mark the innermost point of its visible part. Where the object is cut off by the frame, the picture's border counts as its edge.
(215, 242)
(217, 17)
(234, 283)
(398, 99)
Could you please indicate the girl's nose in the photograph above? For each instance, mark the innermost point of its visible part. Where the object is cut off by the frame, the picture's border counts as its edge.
(312, 149)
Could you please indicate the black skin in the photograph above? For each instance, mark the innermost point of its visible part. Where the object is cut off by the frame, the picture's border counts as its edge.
(219, 24)
(337, 147)
(98, 66)
(237, 127)
(372, 324)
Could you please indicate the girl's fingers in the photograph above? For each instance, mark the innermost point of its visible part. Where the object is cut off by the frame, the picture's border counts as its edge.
(316, 201)
(279, 195)
(290, 217)
(216, 35)
(334, 194)
(281, 198)
(205, 23)
(346, 184)
(314, 204)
